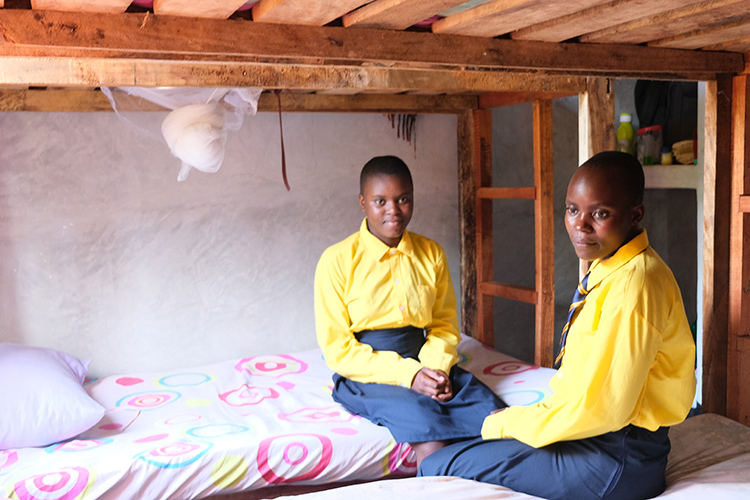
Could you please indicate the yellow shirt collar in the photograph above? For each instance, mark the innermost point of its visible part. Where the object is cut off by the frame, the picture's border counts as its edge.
(601, 268)
(380, 249)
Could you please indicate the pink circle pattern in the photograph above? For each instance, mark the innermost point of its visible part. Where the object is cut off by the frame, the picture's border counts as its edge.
(65, 484)
(277, 365)
(505, 368)
(8, 458)
(297, 444)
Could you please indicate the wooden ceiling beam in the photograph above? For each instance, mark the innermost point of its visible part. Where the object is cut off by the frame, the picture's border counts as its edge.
(39, 35)
(670, 23)
(88, 72)
(396, 14)
(212, 9)
(599, 17)
(73, 100)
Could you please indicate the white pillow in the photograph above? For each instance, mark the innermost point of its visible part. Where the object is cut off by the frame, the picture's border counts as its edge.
(42, 397)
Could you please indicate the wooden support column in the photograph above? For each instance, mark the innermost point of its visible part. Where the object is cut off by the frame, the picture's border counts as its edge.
(467, 209)
(544, 234)
(485, 331)
(717, 183)
(596, 118)
(738, 353)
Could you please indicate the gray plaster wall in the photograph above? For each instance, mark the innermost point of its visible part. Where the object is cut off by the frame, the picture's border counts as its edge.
(105, 256)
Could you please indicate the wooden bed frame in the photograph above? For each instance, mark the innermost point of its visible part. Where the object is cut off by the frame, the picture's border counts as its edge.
(55, 61)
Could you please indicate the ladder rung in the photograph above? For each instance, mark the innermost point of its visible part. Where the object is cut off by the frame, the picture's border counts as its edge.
(512, 292)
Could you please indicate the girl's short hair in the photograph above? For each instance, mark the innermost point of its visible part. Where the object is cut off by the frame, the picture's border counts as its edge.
(624, 168)
(384, 165)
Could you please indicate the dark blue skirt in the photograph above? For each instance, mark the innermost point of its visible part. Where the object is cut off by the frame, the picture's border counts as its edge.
(412, 417)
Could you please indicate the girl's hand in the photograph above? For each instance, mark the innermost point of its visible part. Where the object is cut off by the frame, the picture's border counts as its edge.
(433, 383)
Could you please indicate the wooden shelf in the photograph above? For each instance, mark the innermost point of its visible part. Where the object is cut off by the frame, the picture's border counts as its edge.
(673, 176)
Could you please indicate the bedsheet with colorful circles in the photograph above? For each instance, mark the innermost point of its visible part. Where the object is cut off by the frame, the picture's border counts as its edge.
(231, 426)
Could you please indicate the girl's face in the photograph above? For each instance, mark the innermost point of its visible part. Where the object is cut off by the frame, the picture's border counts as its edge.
(388, 202)
(599, 216)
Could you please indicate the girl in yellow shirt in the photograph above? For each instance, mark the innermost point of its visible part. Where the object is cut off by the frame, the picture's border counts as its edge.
(386, 320)
(627, 373)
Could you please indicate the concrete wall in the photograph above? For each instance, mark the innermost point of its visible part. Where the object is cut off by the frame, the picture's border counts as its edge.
(105, 256)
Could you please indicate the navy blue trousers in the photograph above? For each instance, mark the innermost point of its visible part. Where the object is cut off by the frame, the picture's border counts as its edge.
(629, 464)
(410, 416)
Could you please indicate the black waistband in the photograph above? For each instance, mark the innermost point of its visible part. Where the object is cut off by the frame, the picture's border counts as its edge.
(406, 341)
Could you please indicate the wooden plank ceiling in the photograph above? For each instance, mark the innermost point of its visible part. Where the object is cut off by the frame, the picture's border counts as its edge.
(382, 46)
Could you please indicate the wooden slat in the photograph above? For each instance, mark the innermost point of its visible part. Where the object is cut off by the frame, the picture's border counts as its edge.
(396, 14)
(497, 193)
(738, 362)
(744, 205)
(503, 16)
(140, 36)
(716, 216)
(483, 178)
(739, 45)
(211, 9)
(601, 16)
(106, 6)
(467, 216)
(510, 292)
(74, 100)
(544, 234)
(596, 118)
(308, 12)
(688, 18)
(497, 99)
(722, 33)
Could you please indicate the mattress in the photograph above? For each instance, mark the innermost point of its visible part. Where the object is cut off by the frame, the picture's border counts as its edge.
(710, 458)
(238, 425)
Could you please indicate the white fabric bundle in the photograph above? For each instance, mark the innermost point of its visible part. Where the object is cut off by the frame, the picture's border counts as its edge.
(196, 129)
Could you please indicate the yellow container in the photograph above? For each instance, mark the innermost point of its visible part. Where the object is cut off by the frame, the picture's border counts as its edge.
(625, 134)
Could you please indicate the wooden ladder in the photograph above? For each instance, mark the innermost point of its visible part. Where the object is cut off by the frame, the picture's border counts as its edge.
(543, 294)
(596, 133)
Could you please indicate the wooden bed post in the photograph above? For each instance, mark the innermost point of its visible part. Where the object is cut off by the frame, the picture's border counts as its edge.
(544, 234)
(467, 210)
(738, 353)
(717, 207)
(482, 149)
(596, 118)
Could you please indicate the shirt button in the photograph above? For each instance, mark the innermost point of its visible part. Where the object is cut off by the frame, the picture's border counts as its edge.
(396, 281)
(559, 374)
(402, 308)
(393, 252)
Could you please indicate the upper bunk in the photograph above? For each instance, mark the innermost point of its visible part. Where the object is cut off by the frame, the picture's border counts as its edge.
(402, 51)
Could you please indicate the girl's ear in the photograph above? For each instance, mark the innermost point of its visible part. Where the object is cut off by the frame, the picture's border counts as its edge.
(638, 212)
(361, 202)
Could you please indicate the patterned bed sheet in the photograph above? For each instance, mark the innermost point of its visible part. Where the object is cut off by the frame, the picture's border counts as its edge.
(236, 425)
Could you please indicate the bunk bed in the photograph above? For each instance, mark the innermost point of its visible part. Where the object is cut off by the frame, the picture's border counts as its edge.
(382, 57)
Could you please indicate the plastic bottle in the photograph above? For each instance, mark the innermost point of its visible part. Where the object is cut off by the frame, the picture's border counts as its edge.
(625, 134)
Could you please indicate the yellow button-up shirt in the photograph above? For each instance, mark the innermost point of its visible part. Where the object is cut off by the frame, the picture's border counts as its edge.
(629, 357)
(363, 284)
